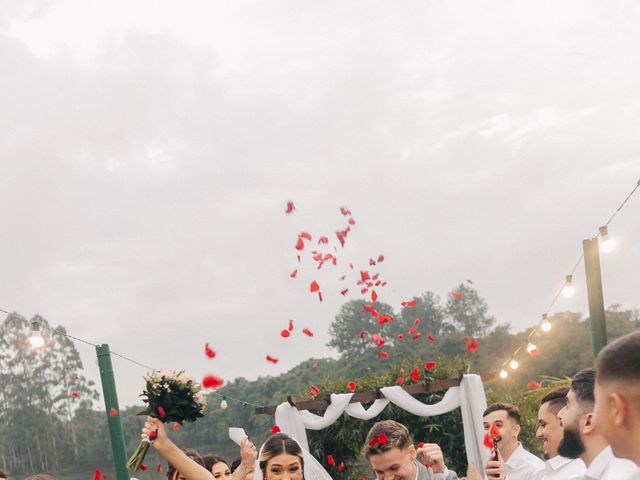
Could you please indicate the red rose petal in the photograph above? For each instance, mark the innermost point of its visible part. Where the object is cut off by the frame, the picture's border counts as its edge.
(330, 460)
(291, 325)
(211, 381)
(494, 431)
(314, 287)
(294, 274)
(305, 235)
(307, 332)
(314, 365)
(456, 295)
(290, 208)
(416, 321)
(352, 386)
(341, 467)
(345, 211)
(472, 345)
(400, 380)
(285, 333)
(400, 336)
(176, 426)
(374, 296)
(431, 338)
(143, 467)
(533, 385)
(372, 262)
(380, 258)
(361, 334)
(352, 221)
(275, 429)
(384, 355)
(344, 292)
(488, 442)
(320, 296)
(97, 475)
(323, 240)
(159, 468)
(430, 365)
(417, 336)
(208, 351)
(412, 331)
(75, 394)
(113, 412)
(161, 412)
(411, 303)
(272, 359)
(364, 276)
(299, 244)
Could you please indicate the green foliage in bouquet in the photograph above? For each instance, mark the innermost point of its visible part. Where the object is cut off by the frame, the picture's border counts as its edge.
(169, 397)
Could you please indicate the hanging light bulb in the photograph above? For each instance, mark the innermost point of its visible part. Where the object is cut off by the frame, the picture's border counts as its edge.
(224, 404)
(513, 364)
(503, 374)
(607, 244)
(545, 324)
(36, 339)
(568, 290)
(532, 349)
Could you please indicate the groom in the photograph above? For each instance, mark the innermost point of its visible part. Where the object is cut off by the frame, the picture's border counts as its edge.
(392, 455)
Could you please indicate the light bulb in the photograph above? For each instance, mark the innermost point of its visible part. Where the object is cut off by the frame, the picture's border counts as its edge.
(545, 324)
(503, 374)
(607, 244)
(568, 290)
(532, 349)
(513, 364)
(223, 404)
(36, 339)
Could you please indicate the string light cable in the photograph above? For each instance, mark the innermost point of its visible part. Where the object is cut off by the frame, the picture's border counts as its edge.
(567, 289)
(35, 335)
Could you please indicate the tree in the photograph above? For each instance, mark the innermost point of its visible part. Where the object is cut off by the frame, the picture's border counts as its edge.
(468, 311)
(353, 319)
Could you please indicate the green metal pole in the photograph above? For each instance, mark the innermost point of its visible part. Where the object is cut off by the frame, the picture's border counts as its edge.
(594, 292)
(111, 401)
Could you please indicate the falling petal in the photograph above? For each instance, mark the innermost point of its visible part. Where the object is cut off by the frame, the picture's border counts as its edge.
(113, 412)
(275, 429)
(352, 387)
(291, 325)
(208, 351)
(290, 208)
(211, 381)
(374, 296)
(272, 359)
(314, 287)
(294, 274)
(307, 332)
(384, 355)
(285, 333)
(344, 292)
(456, 295)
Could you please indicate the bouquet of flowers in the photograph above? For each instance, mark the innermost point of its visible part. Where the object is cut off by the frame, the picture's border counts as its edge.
(170, 397)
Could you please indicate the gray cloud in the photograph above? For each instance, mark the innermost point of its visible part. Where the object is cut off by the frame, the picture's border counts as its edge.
(142, 191)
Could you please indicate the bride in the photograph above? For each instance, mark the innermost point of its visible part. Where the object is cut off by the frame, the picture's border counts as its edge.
(281, 457)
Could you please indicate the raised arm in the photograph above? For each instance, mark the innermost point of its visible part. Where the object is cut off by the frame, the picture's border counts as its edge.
(190, 469)
(248, 456)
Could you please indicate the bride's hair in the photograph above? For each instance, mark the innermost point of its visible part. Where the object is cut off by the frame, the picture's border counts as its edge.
(276, 445)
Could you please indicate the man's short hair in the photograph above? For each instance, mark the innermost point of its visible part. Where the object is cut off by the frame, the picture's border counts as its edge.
(556, 399)
(583, 384)
(512, 411)
(620, 360)
(397, 437)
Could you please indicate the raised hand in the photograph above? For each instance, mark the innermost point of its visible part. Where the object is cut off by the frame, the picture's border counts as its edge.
(431, 453)
(495, 467)
(155, 431)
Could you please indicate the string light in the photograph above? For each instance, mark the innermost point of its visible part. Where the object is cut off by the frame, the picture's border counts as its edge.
(532, 349)
(224, 404)
(36, 339)
(545, 324)
(607, 244)
(513, 364)
(568, 290)
(503, 374)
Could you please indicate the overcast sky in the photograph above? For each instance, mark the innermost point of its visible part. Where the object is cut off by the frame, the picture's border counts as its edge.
(148, 150)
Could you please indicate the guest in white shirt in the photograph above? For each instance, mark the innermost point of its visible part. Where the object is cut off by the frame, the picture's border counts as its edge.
(617, 394)
(550, 432)
(581, 438)
(513, 462)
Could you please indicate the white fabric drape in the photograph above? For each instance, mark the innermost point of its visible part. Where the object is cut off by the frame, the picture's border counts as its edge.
(401, 398)
(356, 410)
(469, 396)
